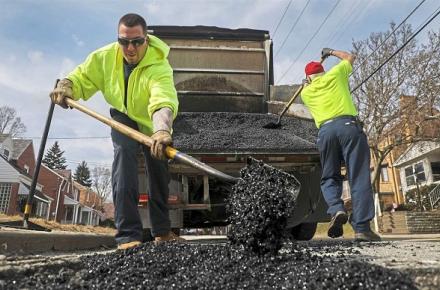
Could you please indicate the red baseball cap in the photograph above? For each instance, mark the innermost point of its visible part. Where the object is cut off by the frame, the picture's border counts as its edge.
(313, 67)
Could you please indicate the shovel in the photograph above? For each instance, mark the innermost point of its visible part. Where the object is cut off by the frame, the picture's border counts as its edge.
(176, 155)
(277, 125)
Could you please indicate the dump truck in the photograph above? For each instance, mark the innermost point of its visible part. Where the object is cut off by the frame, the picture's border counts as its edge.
(224, 80)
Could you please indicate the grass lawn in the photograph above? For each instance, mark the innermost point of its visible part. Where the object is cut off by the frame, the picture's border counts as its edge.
(61, 227)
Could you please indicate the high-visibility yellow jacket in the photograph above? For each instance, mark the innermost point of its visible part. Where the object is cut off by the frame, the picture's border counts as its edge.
(150, 85)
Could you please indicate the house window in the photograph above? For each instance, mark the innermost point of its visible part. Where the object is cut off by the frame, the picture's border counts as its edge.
(26, 168)
(384, 173)
(5, 195)
(6, 153)
(414, 173)
(435, 166)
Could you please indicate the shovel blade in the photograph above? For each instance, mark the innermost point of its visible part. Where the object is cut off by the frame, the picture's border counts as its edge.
(272, 125)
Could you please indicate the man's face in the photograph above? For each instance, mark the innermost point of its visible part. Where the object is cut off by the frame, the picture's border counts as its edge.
(133, 43)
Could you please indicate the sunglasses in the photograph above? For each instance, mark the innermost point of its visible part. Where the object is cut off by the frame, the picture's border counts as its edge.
(135, 41)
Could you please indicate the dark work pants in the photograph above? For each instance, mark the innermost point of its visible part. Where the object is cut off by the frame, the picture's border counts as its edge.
(125, 186)
(344, 140)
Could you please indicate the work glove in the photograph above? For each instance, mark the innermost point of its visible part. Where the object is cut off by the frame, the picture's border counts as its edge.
(161, 139)
(326, 52)
(305, 82)
(62, 91)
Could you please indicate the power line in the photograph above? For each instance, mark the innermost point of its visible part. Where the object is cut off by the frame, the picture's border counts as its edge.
(310, 40)
(89, 163)
(398, 50)
(346, 21)
(354, 19)
(291, 28)
(389, 35)
(281, 19)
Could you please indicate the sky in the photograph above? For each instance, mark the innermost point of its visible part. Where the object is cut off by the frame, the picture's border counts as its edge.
(43, 40)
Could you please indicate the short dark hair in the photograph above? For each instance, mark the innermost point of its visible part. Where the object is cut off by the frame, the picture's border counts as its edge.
(132, 19)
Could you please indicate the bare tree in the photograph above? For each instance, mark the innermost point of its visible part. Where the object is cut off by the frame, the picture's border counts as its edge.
(101, 182)
(10, 123)
(398, 103)
(426, 78)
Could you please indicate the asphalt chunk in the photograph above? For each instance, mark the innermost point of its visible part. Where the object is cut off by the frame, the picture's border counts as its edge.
(259, 206)
(220, 266)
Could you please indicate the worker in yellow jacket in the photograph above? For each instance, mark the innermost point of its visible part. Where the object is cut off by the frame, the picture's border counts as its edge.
(340, 139)
(136, 79)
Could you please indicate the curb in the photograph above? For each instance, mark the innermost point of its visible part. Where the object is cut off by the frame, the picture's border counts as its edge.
(31, 242)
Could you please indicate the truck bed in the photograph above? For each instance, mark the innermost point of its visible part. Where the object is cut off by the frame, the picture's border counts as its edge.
(228, 132)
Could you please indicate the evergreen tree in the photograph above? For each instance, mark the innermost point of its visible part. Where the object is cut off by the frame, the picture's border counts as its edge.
(54, 158)
(82, 174)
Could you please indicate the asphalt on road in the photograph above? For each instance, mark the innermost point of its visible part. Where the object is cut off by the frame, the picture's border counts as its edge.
(216, 264)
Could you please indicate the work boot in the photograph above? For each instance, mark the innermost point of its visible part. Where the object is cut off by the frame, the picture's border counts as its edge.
(335, 229)
(369, 236)
(170, 237)
(129, 245)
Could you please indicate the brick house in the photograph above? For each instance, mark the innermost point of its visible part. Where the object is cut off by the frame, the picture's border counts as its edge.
(391, 179)
(57, 197)
(91, 211)
(57, 185)
(17, 165)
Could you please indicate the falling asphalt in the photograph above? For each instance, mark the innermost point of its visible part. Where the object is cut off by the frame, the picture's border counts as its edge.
(259, 206)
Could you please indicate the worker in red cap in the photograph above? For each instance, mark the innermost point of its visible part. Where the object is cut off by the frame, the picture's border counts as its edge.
(340, 139)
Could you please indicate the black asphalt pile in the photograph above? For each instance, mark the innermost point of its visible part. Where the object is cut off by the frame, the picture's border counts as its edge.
(259, 206)
(219, 266)
(241, 132)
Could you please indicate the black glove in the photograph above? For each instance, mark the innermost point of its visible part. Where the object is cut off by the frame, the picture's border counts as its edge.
(326, 52)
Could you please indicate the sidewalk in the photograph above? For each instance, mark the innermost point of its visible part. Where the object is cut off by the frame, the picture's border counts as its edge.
(426, 237)
(18, 241)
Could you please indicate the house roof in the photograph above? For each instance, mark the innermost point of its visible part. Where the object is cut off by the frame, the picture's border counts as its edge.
(63, 172)
(417, 150)
(19, 170)
(38, 194)
(19, 146)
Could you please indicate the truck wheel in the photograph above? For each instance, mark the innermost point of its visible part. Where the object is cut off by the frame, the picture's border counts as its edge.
(304, 231)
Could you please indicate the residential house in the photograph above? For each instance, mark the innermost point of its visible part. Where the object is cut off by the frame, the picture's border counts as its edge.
(57, 197)
(57, 184)
(17, 164)
(391, 184)
(91, 211)
(420, 166)
(109, 211)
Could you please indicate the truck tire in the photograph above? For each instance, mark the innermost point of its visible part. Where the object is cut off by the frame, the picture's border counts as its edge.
(304, 231)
